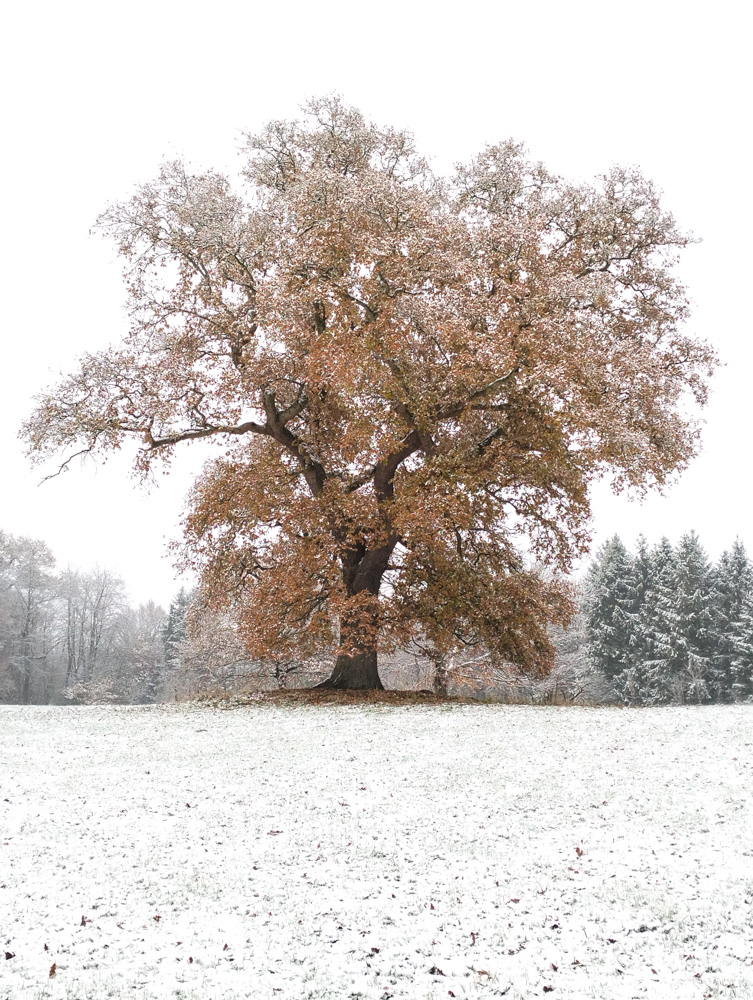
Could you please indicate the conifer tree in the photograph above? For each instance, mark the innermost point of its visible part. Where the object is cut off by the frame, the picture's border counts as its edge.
(609, 609)
(176, 628)
(631, 683)
(658, 626)
(741, 670)
(731, 591)
(692, 640)
(665, 626)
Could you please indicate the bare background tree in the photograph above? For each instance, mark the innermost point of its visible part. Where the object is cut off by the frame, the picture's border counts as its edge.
(72, 636)
(27, 638)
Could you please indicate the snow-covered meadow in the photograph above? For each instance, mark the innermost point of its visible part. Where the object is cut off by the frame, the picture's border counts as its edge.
(339, 851)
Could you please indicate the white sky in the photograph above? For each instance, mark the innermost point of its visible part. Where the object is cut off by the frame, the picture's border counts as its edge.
(94, 95)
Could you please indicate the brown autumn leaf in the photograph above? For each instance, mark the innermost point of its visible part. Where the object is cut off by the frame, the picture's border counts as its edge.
(53, 969)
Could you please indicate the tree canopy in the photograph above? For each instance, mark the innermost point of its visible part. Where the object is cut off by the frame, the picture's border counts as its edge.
(408, 374)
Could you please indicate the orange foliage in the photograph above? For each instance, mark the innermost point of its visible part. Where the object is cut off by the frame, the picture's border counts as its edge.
(409, 376)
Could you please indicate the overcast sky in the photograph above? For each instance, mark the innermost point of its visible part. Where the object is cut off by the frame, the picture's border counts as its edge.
(95, 95)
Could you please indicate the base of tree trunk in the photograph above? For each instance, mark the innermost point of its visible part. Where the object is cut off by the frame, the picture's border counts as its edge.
(358, 672)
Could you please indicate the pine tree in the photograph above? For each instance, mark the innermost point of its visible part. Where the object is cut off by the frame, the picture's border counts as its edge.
(609, 609)
(631, 683)
(742, 659)
(665, 626)
(176, 628)
(658, 626)
(692, 642)
(731, 591)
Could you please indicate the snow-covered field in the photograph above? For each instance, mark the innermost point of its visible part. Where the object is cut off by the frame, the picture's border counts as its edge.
(423, 851)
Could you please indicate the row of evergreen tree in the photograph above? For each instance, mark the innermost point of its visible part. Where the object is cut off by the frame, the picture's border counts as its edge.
(665, 625)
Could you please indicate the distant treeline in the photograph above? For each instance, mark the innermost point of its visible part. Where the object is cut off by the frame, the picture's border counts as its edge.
(665, 625)
(659, 625)
(71, 636)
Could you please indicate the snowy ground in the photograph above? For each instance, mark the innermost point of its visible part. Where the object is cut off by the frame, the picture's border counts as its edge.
(376, 852)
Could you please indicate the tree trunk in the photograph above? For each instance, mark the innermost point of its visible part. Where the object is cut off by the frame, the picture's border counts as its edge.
(26, 681)
(356, 669)
(441, 674)
(358, 672)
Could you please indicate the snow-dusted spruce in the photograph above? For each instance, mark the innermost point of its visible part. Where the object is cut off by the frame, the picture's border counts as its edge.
(732, 590)
(742, 663)
(688, 663)
(665, 626)
(404, 372)
(657, 624)
(609, 609)
(642, 645)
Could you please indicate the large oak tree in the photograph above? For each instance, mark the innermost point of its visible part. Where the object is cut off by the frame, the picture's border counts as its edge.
(409, 374)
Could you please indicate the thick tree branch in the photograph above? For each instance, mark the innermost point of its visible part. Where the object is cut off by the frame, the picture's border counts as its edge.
(249, 427)
(313, 470)
(455, 409)
(385, 470)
